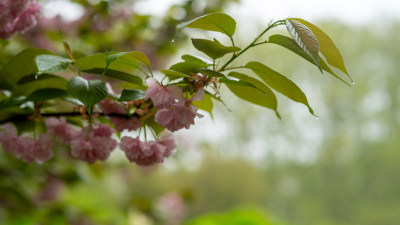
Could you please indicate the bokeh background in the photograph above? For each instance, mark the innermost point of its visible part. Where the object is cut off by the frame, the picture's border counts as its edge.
(244, 166)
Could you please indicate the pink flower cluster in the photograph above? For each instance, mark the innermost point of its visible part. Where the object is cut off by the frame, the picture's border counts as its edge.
(149, 152)
(17, 16)
(93, 144)
(29, 149)
(89, 144)
(109, 106)
(174, 111)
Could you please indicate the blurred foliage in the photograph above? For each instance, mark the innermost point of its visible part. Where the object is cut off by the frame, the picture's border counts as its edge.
(115, 26)
(348, 178)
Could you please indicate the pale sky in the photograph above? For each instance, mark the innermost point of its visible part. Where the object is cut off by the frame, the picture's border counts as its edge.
(355, 12)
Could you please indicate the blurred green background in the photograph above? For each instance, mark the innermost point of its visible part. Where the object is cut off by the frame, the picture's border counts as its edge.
(245, 166)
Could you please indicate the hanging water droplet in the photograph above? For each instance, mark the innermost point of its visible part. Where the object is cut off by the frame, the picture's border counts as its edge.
(316, 117)
(354, 83)
(173, 40)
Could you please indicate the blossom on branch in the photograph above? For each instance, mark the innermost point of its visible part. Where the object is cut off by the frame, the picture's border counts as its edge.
(109, 106)
(148, 153)
(29, 149)
(163, 97)
(17, 16)
(93, 143)
(61, 129)
(179, 115)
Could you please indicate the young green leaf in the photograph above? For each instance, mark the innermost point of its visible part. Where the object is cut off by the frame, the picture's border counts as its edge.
(51, 64)
(89, 92)
(326, 46)
(279, 83)
(21, 65)
(117, 75)
(174, 74)
(235, 81)
(27, 85)
(218, 22)
(46, 94)
(157, 128)
(291, 45)
(191, 64)
(265, 97)
(305, 38)
(12, 102)
(190, 58)
(128, 58)
(214, 49)
(211, 73)
(206, 104)
(99, 61)
(131, 95)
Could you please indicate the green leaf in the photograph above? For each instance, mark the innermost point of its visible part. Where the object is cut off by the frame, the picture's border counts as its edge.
(194, 59)
(305, 38)
(12, 102)
(265, 97)
(99, 61)
(279, 83)
(235, 81)
(211, 73)
(128, 58)
(46, 94)
(172, 75)
(326, 46)
(214, 49)
(218, 22)
(117, 75)
(21, 65)
(89, 92)
(206, 104)
(191, 64)
(157, 128)
(291, 45)
(131, 95)
(51, 63)
(27, 85)
(15, 112)
(29, 126)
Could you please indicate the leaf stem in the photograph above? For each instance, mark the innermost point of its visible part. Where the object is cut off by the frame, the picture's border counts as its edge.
(252, 44)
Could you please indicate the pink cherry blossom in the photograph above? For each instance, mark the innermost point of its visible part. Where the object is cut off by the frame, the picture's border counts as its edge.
(142, 153)
(39, 150)
(17, 16)
(109, 106)
(169, 142)
(61, 129)
(122, 124)
(10, 140)
(163, 97)
(93, 144)
(29, 149)
(180, 114)
(198, 96)
(177, 117)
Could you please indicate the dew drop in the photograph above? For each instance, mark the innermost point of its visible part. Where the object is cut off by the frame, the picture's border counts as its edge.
(317, 118)
(173, 40)
(354, 83)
